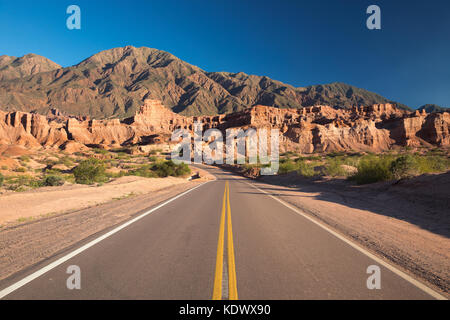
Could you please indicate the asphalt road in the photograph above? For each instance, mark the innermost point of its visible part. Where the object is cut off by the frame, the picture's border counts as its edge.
(214, 243)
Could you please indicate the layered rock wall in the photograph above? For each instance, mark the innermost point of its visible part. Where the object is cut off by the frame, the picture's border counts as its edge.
(312, 129)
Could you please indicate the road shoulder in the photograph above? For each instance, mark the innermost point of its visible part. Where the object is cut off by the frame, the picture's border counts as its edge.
(27, 244)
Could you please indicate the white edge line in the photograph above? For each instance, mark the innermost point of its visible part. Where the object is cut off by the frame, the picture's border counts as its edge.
(72, 254)
(403, 275)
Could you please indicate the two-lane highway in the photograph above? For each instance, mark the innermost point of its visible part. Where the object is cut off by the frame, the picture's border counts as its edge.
(225, 239)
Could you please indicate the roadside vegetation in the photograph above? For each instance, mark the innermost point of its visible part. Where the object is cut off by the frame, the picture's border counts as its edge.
(94, 167)
(363, 168)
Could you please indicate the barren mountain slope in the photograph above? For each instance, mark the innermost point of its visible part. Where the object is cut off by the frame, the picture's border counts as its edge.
(115, 82)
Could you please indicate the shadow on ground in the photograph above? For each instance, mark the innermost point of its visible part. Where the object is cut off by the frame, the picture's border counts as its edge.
(423, 201)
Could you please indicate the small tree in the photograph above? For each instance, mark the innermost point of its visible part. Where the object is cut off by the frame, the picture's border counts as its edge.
(90, 171)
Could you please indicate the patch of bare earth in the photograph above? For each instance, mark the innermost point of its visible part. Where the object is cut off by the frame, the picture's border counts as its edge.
(51, 200)
(407, 223)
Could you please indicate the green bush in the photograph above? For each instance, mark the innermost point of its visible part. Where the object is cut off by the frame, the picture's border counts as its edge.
(119, 174)
(169, 168)
(20, 169)
(286, 166)
(182, 170)
(53, 181)
(161, 169)
(144, 171)
(67, 161)
(334, 168)
(373, 169)
(2, 179)
(20, 182)
(306, 169)
(430, 164)
(404, 167)
(90, 171)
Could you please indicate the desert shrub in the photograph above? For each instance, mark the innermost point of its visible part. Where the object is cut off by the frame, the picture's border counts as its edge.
(306, 169)
(336, 154)
(152, 158)
(311, 158)
(122, 150)
(289, 154)
(2, 179)
(24, 158)
(4, 167)
(334, 168)
(373, 169)
(66, 160)
(20, 183)
(100, 151)
(144, 171)
(169, 168)
(20, 169)
(53, 181)
(351, 160)
(404, 167)
(286, 166)
(119, 174)
(154, 152)
(430, 164)
(90, 171)
(182, 169)
(161, 169)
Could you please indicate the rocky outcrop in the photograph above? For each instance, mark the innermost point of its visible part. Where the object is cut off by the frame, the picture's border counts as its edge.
(311, 129)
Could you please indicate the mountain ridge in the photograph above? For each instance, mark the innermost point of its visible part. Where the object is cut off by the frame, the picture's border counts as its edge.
(429, 108)
(114, 82)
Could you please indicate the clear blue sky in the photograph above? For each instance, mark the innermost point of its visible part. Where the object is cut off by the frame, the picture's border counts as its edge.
(297, 42)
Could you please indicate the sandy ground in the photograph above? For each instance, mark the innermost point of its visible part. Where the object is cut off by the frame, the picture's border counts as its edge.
(53, 200)
(407, 223)
(41, 202)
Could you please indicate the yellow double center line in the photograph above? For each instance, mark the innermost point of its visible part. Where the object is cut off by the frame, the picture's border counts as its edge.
(232, 286)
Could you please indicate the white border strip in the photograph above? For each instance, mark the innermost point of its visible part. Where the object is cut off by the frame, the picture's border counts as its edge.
(401, 274)
(61, 260)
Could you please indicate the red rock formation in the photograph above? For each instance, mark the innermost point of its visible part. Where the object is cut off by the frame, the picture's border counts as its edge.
(312, 129)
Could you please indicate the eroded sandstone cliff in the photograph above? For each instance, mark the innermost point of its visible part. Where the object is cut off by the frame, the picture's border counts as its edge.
(311, 129)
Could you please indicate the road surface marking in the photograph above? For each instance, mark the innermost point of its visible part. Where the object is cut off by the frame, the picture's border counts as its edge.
(401, 274)
(221, 288)
(232, 285)
(72, 254)
(217, 292)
